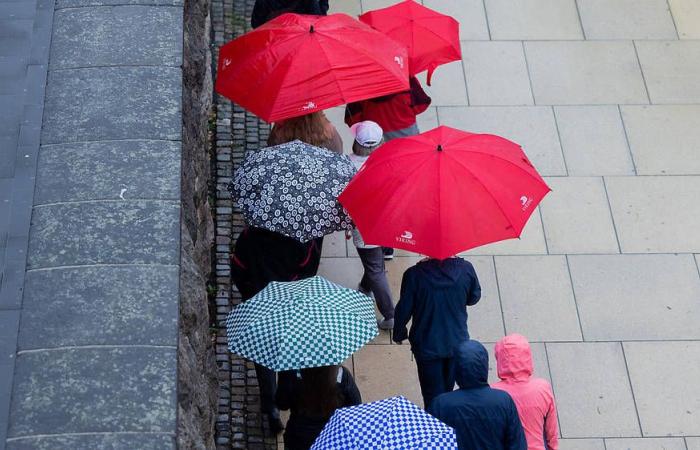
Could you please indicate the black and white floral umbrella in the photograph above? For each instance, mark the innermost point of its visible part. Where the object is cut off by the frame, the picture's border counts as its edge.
(293, 189)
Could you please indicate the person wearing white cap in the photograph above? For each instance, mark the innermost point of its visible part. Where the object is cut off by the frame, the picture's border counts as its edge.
(368, 136)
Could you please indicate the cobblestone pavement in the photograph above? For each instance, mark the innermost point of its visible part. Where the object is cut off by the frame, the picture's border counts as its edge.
(603, 96)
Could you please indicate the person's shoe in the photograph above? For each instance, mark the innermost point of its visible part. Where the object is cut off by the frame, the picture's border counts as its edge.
(386, 324)
(362, 290)
(388, 253)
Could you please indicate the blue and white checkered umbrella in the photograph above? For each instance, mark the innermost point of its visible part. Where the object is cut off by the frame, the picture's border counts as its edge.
(390, 424)
(299, 324)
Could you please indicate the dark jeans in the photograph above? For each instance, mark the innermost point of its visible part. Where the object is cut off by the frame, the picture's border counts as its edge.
(375, 279)
(436, 376)
(267, 381)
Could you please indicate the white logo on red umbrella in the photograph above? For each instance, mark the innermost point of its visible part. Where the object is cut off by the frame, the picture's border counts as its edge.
(227, 62)
(399, 60)
(525, 202)
(406, 238)
(308, 106)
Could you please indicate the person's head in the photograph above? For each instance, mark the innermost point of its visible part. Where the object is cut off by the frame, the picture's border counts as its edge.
(472, 365)
(313, 128)
(368, 136)
(513, 358)
(319, 393)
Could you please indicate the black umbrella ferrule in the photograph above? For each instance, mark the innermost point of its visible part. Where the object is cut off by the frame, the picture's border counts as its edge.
(439, 147)
(311, 29)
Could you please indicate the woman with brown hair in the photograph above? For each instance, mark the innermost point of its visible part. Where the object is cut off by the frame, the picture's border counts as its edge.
(313, 128)
(313, 395)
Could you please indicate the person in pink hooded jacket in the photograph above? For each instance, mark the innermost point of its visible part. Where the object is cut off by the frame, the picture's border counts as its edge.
(533, 397)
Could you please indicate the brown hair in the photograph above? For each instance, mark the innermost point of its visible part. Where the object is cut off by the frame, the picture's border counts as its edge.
(361, 150)
(313, 128)
(319, 393)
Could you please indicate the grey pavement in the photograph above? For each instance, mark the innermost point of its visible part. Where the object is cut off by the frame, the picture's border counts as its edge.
(90, 133)
(603, 96)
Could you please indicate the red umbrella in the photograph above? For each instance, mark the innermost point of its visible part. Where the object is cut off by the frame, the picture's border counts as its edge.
(297, 64)
(432, 38)
(444, 191)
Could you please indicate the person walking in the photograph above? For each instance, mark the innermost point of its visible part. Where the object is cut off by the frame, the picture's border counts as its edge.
(265, 10)
(434, 295)
(368, 137)
(533, 397)
(483, 418)
(395, 113)
(262, 256)
(313, 128)
(312, 396)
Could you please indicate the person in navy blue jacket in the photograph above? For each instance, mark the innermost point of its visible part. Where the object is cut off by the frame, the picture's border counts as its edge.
(434, 295)
(483, 418)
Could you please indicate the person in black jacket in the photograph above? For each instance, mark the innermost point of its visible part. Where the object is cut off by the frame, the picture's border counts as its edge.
(483, 418)
(434, 295)
(265, 10)
(313, 395)
(262, 256)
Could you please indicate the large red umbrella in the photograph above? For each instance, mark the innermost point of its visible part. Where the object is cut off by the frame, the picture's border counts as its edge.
(432, 38)
(297, 64)
(444, 191)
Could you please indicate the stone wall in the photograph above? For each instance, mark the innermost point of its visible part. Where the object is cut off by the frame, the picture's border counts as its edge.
(197, 385)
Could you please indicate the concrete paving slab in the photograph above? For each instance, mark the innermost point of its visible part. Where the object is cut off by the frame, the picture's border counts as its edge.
(112, 170)
(664, 378)
(9, 324)
(671, 70)
(496, 73)
(645, 444)
(109, 36)
(89, 390)
(485, 320)
(656, 214)
(626, 19)
(60, 4)
(343, 271)
(12, 72)
(537, 298)
(15, 36)
(686, 15)
(336, 116)
(137, 306)
(334, 245)
(585, 73)
(369, 5)
(533, 19)
(113, 104)
(693, 443)
(531, 242)
(656, 294)
(576, 216)
(448, 85)
(135, 232)
(428, 119)
(664, 139)
(142, 441)
(350, 7)
(382, 371)
(581, 444)
(592, 390)
(533, 127)
(469, 13)
(593, 140)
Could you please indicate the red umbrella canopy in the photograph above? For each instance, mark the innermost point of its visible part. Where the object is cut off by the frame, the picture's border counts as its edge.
(443, 191)
(297, 64)
(432, 38)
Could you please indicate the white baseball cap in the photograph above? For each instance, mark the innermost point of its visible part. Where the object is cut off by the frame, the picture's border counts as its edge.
(367, 133)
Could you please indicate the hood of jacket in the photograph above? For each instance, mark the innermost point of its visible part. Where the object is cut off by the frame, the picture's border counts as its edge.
(514, 358)
(441, 272)
(472, 365)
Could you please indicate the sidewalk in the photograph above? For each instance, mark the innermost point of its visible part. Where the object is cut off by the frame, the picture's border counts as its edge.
(603, 95)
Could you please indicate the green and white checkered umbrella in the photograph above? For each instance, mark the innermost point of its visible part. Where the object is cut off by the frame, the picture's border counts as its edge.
(299, 324)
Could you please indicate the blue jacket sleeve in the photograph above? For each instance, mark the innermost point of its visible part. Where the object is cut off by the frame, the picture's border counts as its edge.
(475, 291)
(404, 308)
(515, 436)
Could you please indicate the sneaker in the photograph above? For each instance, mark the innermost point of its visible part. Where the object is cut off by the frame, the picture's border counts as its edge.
(367, 292)
(386, 324)
(388, 253)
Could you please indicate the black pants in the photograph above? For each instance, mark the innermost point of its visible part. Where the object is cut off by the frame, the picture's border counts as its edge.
(436, 376)
(267, 382)
(375, 280)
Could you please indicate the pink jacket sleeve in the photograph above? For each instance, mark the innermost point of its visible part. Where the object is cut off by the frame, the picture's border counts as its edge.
(551, 427)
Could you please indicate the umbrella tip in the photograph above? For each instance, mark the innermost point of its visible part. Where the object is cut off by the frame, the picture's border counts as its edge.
(311, 29)
(439, 147)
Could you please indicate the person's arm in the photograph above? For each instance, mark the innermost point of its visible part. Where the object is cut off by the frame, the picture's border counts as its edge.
(515, 436)
(475, 291)
(404, 308)
(285, 388)
(351, 393)
(551, 427)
